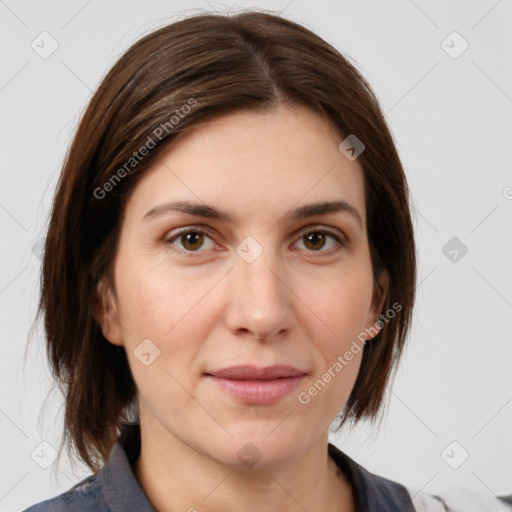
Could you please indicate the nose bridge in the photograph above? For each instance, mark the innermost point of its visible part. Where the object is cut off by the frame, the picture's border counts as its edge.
(260, 301)
(262, 275)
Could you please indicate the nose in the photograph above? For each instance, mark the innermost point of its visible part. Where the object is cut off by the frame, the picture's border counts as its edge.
(259, 303)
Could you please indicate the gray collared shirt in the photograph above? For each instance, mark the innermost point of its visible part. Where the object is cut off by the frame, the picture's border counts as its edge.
(115, 488)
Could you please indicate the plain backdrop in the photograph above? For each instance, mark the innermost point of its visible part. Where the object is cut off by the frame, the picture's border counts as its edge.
(442, 72)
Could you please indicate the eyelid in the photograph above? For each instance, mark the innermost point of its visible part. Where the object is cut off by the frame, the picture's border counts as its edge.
(200, 228)
(313, 228)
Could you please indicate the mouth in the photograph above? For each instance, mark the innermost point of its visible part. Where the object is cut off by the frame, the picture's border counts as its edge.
(257, 386)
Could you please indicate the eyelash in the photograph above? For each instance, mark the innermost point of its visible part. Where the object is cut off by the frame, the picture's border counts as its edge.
(201, 231)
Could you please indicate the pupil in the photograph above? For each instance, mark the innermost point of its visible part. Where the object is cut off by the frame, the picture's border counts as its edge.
(315, 238)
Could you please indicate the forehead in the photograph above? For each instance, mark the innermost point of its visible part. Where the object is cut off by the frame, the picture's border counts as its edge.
(247, 160)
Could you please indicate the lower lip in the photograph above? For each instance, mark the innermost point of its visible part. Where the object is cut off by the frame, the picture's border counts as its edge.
(258, 392)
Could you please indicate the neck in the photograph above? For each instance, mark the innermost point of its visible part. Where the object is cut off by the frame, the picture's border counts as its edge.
(176, 477)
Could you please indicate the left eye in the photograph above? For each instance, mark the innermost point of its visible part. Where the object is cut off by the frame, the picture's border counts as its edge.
(316, 241)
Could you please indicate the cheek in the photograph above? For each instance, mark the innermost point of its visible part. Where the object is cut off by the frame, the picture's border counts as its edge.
(174, 308)
(157, 300)
(324, 395)
(175, 316)
(341, 303)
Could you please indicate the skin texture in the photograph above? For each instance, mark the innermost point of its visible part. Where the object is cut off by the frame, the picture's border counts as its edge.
(205, 311)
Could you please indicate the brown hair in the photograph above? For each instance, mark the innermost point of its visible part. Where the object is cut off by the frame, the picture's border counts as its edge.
(215, 64)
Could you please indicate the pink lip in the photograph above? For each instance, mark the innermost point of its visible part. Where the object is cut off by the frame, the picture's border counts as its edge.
(247, 372)
(257, 386)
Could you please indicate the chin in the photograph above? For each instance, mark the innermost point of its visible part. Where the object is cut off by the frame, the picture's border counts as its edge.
(256, 449)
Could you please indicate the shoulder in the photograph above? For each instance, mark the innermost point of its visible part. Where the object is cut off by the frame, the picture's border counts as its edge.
(113, 487)
(85, 496)
(372, 493)
(377, 491)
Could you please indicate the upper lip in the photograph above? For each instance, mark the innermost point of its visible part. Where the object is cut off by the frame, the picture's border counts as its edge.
(253, 373)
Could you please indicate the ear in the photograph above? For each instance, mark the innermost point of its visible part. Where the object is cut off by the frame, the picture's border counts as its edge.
(379, 297)
(106, 313)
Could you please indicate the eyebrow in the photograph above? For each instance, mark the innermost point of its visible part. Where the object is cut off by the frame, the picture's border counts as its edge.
(210, 212)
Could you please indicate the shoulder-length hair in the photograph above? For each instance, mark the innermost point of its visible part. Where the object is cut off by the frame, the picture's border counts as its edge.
(163, 86)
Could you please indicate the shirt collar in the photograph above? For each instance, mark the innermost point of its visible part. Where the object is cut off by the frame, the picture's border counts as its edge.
(121, 489)
(372, 493)
(123, 492)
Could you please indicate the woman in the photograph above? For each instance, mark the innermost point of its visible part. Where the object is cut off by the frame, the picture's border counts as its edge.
(229, 263)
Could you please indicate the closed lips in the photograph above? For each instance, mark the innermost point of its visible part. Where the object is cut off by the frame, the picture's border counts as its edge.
(252, 373)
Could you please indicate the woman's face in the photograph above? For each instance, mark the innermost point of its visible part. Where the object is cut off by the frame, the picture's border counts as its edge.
(220, 264)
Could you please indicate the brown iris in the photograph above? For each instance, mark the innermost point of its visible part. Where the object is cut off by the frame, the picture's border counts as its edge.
(192, 240)
(314, 241)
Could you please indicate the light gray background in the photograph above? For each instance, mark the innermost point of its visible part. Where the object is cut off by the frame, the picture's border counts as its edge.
(452, 122)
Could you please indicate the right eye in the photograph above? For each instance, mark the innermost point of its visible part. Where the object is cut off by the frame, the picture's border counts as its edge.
(191, 240)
